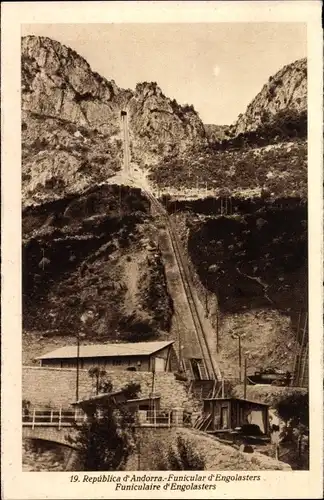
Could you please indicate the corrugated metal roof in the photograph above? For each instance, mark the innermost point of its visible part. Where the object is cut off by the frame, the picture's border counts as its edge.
(107, 350)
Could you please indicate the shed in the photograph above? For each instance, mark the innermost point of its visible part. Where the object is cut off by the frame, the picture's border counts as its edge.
(228, 414)
(90, 405)
(136, 356)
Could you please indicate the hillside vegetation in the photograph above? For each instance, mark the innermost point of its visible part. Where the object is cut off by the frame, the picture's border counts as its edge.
(91, 252)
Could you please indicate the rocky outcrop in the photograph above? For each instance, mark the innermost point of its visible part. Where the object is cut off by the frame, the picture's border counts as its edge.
(57, 82)
(286, 90)
(72, 138)
(159, 126)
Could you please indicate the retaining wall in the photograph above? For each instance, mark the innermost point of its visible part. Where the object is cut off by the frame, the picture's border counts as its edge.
(55, 387)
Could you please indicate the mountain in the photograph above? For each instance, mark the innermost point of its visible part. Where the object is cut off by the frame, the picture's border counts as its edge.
(264, 153)
(286, 90)
(71, 130)
(216, 132)
(92, 245)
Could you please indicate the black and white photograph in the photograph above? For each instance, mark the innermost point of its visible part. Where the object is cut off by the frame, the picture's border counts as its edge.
(164, 190)
(165, 247)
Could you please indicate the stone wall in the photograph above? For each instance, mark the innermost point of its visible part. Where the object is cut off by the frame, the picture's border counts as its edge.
(56, 387)
(153, 445)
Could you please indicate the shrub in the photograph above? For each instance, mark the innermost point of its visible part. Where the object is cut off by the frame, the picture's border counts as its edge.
(106, 439)
(183, 457)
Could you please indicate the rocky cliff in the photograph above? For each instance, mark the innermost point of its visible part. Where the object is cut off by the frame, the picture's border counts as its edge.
(71, 128)
(286, 90)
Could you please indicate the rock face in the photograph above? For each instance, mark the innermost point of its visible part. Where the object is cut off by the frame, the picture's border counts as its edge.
(286, 90)
(160, 126)
(72, 122)
(57, 82)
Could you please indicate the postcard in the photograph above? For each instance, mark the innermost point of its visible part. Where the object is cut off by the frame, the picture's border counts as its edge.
(162, 250)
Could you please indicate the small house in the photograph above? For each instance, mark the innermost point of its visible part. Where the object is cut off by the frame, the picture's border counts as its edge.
(228, 414)
(90, 405)
(136, 356)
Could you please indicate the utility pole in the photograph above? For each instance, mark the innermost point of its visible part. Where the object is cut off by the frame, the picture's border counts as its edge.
(238, 337)
(240, 356)
(77, 368)
(217, 330)
(206, 298)
(245, 378)
(120, 200)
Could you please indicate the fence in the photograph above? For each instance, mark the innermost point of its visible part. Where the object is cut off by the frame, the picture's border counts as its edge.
(56, 418)
(66, 418)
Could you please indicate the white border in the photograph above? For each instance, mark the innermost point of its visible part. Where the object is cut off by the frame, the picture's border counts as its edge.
(18, 485)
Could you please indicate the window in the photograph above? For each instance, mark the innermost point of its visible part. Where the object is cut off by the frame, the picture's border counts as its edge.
(116, 362)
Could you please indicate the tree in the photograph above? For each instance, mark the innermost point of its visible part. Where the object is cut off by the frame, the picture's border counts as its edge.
(106, 439)
(101, 384)
(294, 411)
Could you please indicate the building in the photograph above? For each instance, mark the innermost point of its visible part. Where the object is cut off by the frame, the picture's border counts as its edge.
(90, 405)
(137, 356)
(228, 414)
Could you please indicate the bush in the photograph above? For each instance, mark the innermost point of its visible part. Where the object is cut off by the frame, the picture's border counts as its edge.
(183, 457)
(106, 439)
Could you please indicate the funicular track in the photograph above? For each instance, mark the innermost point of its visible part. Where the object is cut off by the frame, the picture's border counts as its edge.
(211, 372)
(208, 369)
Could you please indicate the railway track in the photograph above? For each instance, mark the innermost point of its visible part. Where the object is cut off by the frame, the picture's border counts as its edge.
(211, 369)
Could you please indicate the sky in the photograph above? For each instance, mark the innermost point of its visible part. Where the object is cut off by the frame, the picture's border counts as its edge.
(217, 67)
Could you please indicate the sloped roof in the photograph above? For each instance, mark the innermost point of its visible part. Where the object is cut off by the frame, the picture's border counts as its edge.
(107, 350)
(230, 398)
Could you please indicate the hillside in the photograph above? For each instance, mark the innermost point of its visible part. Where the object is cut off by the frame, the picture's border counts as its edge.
(95, 252)
(276, 170)
(71, 117)
(92, 245)
(286, 90)
(216, 132)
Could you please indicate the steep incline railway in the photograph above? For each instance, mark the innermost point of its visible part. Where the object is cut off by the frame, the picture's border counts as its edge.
(209, 368)
(198, 360)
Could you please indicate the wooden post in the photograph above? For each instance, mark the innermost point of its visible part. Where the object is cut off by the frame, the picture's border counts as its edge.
(51, 416)
(217, 328)
(120, 200)
(77, 369)
(33, 422)
(245, 381)
(277, 451)
(240, 357)
(60, 418)
(206, 298)
(223, 389)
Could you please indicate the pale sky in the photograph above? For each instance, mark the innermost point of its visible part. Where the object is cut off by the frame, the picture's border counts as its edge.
(219, 68)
